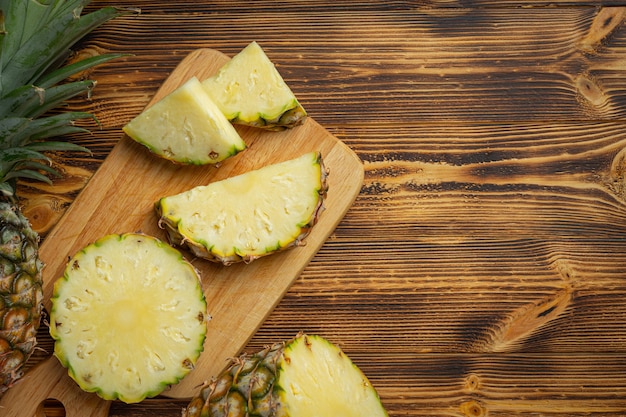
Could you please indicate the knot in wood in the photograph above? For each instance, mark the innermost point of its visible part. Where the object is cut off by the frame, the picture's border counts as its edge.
(472, 408)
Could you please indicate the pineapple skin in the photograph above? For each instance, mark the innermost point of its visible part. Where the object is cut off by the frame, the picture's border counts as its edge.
(21, 296)
(263, 385)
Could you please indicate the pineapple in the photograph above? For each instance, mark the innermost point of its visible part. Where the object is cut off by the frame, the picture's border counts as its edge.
(250, 91)
(249, 215)
(186, 127)
(35, 38)
(128, 317)
(305, 377)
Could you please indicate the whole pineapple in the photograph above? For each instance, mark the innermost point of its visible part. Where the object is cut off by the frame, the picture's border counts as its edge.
(35, 38)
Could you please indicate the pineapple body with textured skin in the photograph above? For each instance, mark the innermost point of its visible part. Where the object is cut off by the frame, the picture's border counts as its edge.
(20, 293)
(249, 215)
(250, 91)
(305, 377)
(128, 317)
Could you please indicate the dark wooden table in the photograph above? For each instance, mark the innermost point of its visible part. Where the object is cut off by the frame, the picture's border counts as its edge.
(482, 268)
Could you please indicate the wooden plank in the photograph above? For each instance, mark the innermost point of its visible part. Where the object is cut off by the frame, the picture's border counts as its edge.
(481, 269)
(403, 66)
(346, 6)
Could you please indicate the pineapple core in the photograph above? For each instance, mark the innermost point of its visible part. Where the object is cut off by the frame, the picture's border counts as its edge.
(128, 317)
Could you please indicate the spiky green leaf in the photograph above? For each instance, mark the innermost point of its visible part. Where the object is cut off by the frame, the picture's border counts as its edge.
(51, 126)
(28, 174)
(62, 73)
(49, 146)
(28, 59)
(11, 129)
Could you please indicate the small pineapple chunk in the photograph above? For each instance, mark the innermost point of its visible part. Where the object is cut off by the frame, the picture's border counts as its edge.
(128, 317)
(250, 215)
(187, 127)
(250, 91)
(305, 377)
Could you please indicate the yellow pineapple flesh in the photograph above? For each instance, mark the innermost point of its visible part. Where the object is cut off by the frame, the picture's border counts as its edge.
(250, 215)
(128, 317)
(186, 127)
(250, 91)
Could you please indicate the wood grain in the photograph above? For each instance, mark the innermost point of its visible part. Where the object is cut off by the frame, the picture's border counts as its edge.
(481, 270)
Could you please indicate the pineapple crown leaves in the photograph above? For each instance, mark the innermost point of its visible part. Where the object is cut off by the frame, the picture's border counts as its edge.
(35, 40)
(35, 36)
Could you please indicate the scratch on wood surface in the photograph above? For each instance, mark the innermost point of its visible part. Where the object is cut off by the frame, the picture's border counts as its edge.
(604, 24)
(528, 319)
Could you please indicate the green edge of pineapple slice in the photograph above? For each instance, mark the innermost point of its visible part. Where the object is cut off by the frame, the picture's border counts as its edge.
(128, 317)
(250, 91)
(250, 215)
(187, 127)
(307, 376)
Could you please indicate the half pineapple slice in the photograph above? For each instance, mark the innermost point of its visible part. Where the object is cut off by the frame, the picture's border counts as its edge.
(250, 91)
(128, 317)
(250, 215)
(186, 126)
(305, 377)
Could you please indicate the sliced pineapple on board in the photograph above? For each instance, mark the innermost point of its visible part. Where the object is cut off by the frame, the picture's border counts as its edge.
(250, 91)
(249, 215)
(305, 377)
(128, 317)
(187, 127)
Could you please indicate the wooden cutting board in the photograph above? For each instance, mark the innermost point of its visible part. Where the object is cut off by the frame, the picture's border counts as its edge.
(120, 198)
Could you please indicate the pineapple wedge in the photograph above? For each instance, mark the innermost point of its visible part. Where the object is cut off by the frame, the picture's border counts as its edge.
(187, 127)
(250, 91)
(305, 377)
(250, 215)
(128, 317)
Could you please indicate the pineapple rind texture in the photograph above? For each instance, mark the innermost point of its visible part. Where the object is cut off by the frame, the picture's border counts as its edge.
(21, 293)
(128, 317)
(186, 127)
(250, 91)
(305, 377)
(251, 215)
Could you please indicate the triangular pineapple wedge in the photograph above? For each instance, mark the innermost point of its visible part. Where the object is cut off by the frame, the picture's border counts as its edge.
(187, 127)
(250, 91)
(250, 215)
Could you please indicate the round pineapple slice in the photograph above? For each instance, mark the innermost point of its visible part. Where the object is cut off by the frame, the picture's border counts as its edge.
(128, 317)
(305, 377)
